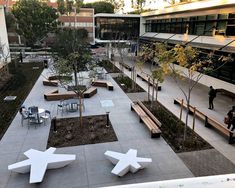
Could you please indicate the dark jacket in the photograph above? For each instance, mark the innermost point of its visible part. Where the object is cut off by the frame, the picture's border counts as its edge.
(212, 93)
(231, 116)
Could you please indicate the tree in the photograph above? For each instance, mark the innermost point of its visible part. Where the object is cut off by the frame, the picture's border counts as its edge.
(35, 20)
(74, 57)
(149, 53)
(61, 6)
(10, 21)
(100, 7)
(118, 4)
(138, 4)
(70, 40)
(194, 65)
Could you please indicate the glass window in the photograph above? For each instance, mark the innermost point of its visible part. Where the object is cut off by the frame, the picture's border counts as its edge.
(200, 18)
(209, 28)
(223, 16)
(230, 31)
(231, 19)
(211, 17)
(199, 28)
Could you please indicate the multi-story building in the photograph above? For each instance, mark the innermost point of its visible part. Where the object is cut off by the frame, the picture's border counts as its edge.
(208, 25)
(110, 27)
(84, 19)
(4, 46)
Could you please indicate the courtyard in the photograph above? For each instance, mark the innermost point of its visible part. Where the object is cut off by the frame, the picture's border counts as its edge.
(91, 169)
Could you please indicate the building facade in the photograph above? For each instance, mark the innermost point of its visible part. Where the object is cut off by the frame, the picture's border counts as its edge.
(208, 25)
(110, 27)
(4, 45)
(83, 20)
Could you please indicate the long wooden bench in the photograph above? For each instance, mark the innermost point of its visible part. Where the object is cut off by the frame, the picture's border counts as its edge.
(226, 93)
(50, 82)
(102, 83)
(156, 121)
(128, 67)
(147, 120)
(90, 92)
(210, 122)
(55, 95)
(59, 77)
(146, 79)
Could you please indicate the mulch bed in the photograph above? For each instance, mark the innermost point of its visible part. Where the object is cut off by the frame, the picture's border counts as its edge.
(173, 131)
(92, 131)
(21, 80)
(126, 83)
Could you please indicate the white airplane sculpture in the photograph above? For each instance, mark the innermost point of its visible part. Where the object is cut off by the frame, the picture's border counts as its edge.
(126, 162)
(39, 162)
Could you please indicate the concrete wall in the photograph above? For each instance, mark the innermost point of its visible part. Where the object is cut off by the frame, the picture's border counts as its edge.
(4, 45)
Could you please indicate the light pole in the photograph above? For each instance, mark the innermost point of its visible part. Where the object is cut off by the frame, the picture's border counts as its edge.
(107, 118)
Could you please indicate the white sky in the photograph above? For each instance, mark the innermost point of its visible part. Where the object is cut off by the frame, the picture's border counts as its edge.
(153, 4)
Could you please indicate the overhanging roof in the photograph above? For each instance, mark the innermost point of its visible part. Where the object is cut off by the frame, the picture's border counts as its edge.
(206, 4)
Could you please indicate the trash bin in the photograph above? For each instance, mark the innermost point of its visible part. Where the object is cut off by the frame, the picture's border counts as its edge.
(45, 63)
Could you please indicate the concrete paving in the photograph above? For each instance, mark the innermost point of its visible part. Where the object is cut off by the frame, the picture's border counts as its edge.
(90, 169)
(199, 99)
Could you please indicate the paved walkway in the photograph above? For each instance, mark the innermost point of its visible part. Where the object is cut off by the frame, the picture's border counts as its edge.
(199, 98)
(90, 169)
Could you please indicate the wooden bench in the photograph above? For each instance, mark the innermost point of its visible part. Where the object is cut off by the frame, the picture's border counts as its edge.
(59, 77)
(210, 122)
(128, 67)
(156, 121)
(55, 95)
(50, 82)
(90, 92)
(146, 78)
(147, 120)
(103, 83)
(226, 93)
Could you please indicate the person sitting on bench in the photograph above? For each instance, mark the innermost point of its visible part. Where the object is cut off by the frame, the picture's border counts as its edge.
(231, 118)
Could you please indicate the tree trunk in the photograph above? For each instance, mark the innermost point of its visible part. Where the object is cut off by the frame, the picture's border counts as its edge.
(156, 88)
(187, 114)
(148, 89)
(153, 93)
(80, 110)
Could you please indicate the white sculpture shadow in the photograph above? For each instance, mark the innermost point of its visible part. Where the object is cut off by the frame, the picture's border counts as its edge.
(126, 162)
(39, 162)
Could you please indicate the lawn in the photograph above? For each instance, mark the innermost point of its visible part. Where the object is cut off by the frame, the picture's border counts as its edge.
(23, 79)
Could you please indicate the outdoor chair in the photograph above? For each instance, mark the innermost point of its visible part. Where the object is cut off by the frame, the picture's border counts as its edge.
(61, 107)
(33, 109)
(46, 116)
(24, 115)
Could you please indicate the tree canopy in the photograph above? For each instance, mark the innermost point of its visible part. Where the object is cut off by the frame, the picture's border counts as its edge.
(66, 6)
(100, 7)
(35, 20)
(70, 41)
(118, 4)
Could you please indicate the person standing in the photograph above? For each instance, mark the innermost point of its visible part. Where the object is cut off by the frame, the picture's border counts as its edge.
(21, 57)
(231, 118)
(212, 95)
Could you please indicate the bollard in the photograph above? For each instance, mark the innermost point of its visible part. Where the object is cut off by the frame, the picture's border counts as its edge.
(53, 124)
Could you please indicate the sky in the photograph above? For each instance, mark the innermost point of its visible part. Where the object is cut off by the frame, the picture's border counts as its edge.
(153, 4)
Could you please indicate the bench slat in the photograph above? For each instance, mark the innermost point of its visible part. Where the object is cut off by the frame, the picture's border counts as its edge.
(151, 125)
(149, 114)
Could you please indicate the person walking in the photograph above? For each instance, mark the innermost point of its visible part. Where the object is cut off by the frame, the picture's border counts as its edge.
(21, 57)
(231, 118)
(212, 95)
